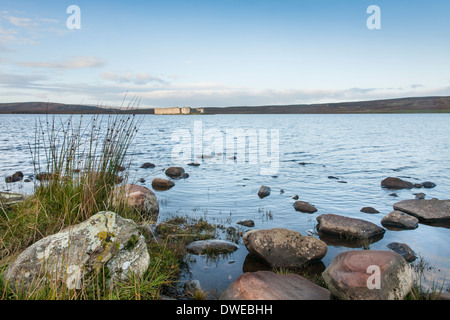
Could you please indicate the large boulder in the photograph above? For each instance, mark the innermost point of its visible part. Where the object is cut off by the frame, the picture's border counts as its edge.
(104, 243)
(396, 183)
(138, 197)
(174, 172)
(349, 228)
(426, 210)
(266, 285)
(282, 248)
(399, 220)
(369, 275)
(305, 207)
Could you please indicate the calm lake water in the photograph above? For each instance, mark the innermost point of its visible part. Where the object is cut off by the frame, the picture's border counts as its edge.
(360, 150)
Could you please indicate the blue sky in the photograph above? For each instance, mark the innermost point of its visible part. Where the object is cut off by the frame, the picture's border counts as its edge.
(223, 52)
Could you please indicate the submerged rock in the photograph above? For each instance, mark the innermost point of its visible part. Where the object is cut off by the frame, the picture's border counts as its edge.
(396, 183)
(305, 207)
(404, 250)
(399, 220)
(266, 285)
(426, 210)
(211, 247)
(104, 243)
(347, 227)
(369, 275)
(264, 192)
(284, 248)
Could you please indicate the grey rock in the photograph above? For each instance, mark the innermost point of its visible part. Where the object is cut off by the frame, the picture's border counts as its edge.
(105, 240)
(396, 183)
(369, 210)
(346, 227)
(162, 184)
(264, 192)
(404, 250)
(284, 248)
(305, 207)
(174, 172)
(147, 165)
(399, 220)
(428, 184)
(426, 210)
(246, 223)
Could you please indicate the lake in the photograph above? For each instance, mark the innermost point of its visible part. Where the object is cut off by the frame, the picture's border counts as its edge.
(293, 155)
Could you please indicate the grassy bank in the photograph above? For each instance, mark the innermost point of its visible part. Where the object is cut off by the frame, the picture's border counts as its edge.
(78, 163)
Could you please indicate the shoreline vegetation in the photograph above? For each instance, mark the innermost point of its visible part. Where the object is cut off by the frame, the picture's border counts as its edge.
(79, 198)
(399, 105)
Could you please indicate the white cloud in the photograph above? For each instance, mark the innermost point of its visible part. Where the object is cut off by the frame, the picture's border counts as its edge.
(72, 63)
(129, 77)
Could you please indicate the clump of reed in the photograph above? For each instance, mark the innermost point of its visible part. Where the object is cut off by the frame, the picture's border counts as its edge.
(77, 161)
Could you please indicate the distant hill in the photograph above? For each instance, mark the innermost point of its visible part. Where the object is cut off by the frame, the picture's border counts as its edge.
(402, 105)
(50, 108)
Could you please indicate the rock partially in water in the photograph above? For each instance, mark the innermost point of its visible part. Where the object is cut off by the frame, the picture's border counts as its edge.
(17, 176)
(404, 250)
(266, 285)
(138, 197)
(105, 241)
(246, 223)
(426, 210)
(147, 165)
(399, 220)
(211, 247)
(296, 197)
(193, 164)
(396, 183)
(417, 185)
(393, 195)
(174, 172)
(369, 275)
(369, 210)
(284, 248)
(428, 184)
(419, 196)
(346, 227)
(162, 184)
(305, 207)
(264, 192)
